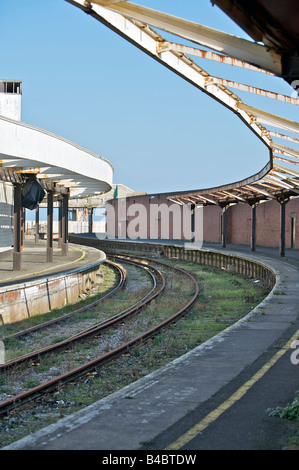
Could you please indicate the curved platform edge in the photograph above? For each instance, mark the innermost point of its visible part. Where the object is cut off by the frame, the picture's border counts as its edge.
(51, 290)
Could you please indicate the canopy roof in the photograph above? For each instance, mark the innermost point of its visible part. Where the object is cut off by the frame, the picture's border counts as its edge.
(273, 26)
(27, 152)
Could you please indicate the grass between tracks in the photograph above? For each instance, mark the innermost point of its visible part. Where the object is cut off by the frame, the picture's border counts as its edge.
(224, 298)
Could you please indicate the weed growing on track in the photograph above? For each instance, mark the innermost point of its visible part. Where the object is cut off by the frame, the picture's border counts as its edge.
(224, 298)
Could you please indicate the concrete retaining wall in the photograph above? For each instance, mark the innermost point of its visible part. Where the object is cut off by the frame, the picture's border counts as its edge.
(238, 264)
(24, 300)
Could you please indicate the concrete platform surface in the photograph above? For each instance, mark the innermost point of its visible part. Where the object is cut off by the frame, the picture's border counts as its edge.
(35, 265)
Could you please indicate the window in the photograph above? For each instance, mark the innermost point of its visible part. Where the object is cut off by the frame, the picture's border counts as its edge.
(10, 87)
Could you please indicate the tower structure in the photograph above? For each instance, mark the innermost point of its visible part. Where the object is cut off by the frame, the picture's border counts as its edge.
(10, 99)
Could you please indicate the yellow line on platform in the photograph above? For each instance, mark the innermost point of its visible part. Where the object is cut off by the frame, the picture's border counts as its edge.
(45, 270)
(211, 417)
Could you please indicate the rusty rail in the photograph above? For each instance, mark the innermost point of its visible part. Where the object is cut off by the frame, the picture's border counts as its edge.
(92, 331)
(54, 383)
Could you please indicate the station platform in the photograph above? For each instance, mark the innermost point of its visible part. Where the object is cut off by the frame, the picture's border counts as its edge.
(214, 397)
(41, 286)
(35, 265)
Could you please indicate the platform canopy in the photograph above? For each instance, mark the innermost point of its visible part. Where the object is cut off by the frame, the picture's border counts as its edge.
(187, 48)
(59, 165)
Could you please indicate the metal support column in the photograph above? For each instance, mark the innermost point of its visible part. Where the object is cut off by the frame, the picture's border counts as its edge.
(90, 219)
(253, 227)
(37, 224)
(282, 226)
(223, 228)
(50, 227)
(23, 226)
(193, 223)
(17, 247)
(65, 209)
(60, 224)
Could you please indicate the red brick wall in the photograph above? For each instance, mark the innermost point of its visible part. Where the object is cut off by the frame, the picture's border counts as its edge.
(239, 224)
(238, 221)
(212, 224)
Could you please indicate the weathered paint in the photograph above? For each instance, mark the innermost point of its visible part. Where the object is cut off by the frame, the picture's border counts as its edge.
(37, 297)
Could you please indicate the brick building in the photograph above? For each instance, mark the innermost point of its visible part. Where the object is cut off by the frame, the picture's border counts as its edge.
(125, 211)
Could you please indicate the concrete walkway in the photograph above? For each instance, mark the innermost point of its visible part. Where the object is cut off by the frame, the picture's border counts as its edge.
(35, 266)
(188, 404)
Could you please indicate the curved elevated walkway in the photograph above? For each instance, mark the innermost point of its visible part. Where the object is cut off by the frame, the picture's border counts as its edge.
(246, 368)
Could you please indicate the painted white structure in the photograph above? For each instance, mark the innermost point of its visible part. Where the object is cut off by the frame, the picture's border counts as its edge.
(25, 149)
(10, 99)
(28, 149)
(6, 215)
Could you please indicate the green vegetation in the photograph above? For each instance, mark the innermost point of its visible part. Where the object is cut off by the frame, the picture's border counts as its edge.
(291, 411)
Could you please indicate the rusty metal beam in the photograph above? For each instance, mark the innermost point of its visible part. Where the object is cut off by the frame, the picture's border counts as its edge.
(283, 136)
(271, 119)
(287, 171)
(248, 51)
(164, 46)
(265, 193)
(285, 160)
(256, 91)
(286, 150)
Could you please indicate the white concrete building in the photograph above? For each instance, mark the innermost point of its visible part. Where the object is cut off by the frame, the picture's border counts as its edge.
(29, 155)
(10, 107)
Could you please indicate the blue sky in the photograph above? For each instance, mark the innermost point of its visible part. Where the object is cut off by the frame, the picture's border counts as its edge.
(83, 82)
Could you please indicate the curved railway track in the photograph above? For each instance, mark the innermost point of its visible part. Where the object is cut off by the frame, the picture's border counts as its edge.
(94, 330)
(159, 284)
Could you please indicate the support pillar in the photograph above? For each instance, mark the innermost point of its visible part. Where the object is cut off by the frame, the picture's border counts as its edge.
(60, 224)
(17, 248)
(90, 219)
(223, 228)
(65, 209)
(23, 226)
(253, 227)
(193, 223)
(37, 224)
(282, 226)
(50, 228)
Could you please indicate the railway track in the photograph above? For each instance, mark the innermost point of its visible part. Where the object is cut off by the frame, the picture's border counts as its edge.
(92, 331)
(158, 286)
